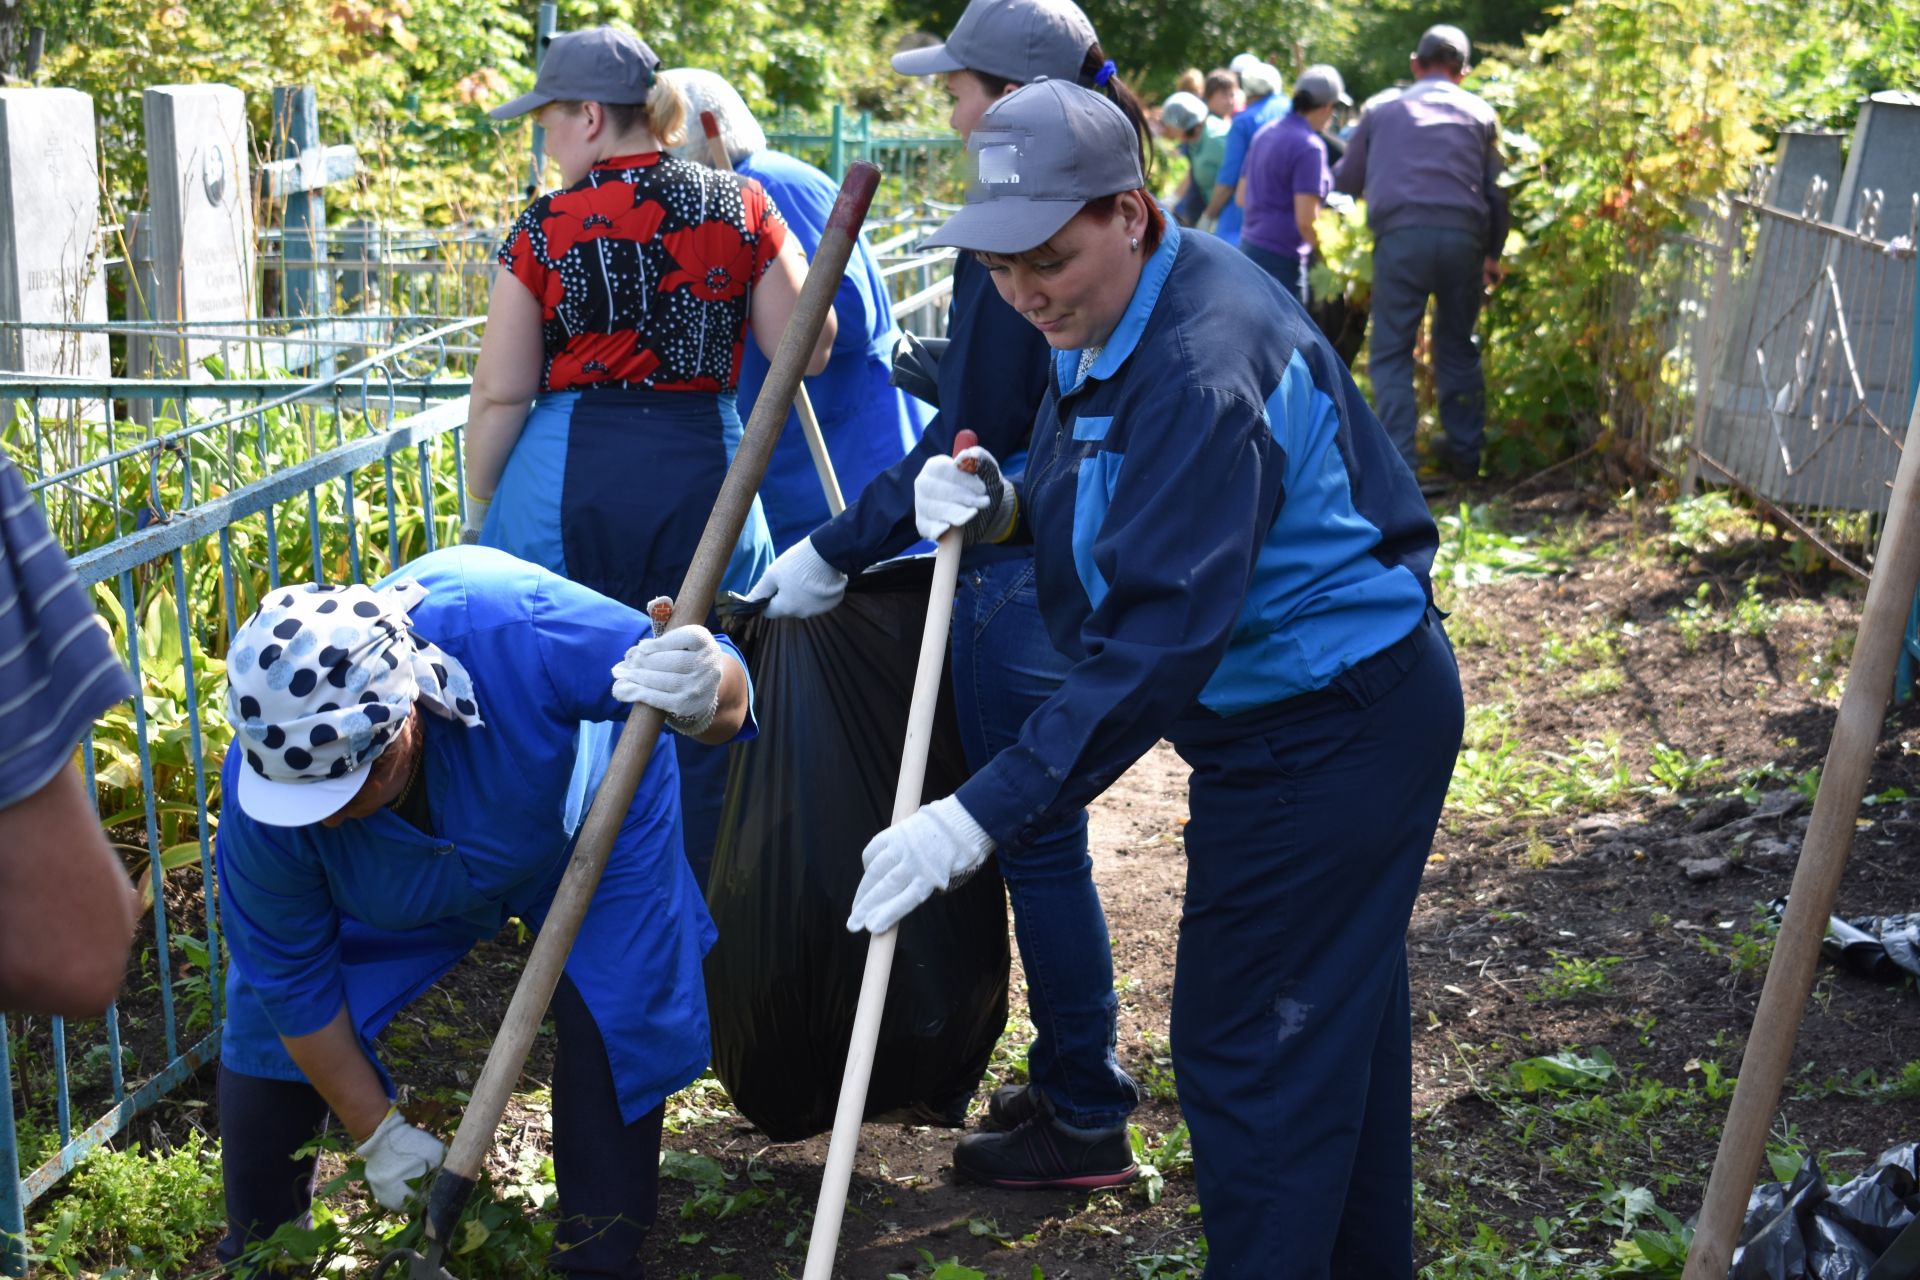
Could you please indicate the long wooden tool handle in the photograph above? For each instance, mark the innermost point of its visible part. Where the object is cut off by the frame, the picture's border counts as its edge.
(873, 981)
(1796, 952)
(802, 402)
(530, 998)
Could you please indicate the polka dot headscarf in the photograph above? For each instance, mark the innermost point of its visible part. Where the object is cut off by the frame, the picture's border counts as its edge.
(321, 679)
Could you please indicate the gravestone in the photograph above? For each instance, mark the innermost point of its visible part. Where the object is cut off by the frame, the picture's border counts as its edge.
(202, 224)
(50, 265)
(1885, 157)
(1804, 156)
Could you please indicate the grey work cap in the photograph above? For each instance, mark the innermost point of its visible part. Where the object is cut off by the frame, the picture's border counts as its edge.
(1017, 40)
(1444, 45)
(598, 65)
(1034, 160)
(1322, 84)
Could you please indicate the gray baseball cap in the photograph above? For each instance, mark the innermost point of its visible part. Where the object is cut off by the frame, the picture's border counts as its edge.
(1322, 84)
(597, 65)
(1182, 111)
(1442, 44)
(1034, 160)
(1017, 40)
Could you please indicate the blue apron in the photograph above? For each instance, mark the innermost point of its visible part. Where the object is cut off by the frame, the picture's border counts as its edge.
(373, 912)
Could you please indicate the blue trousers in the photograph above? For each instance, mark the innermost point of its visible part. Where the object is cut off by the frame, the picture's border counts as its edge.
(1410, 265)
(1311, 824)
(607, 1171)
(1005, 666)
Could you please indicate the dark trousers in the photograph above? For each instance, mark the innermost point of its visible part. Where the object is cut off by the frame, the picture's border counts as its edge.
(607, 1171)
(1411, 265)
(1290, 1014)
(1290, 269)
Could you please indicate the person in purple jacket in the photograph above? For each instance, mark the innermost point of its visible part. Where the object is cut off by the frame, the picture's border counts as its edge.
(1428, 164)
(1286, 178)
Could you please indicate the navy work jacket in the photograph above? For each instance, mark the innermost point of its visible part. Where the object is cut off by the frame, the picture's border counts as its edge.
(1219, 524)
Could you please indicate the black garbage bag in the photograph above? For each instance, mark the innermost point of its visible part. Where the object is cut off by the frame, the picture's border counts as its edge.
(1884, 948)
(1806, 1230)
(803, 799)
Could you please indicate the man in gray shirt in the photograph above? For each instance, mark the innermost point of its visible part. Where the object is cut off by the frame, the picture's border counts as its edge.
(1427, 166)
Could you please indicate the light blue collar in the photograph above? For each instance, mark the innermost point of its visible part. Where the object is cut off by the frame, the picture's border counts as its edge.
(1133, 322)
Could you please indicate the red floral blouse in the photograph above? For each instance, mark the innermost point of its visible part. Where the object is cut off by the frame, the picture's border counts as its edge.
(644, 270)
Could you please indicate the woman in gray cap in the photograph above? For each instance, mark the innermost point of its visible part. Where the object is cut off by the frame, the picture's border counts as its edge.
(1233, 558)
(1067, 1127)
(603, 414)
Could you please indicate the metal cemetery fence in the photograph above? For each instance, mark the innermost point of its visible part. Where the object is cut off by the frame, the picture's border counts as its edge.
(177, 529)
(1776, 353)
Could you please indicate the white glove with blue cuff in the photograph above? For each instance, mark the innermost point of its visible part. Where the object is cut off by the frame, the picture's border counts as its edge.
(936, 848)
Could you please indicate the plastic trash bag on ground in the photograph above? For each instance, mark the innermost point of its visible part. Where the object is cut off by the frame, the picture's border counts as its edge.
(1806, 1230)
(1884, 948)
(803, 799)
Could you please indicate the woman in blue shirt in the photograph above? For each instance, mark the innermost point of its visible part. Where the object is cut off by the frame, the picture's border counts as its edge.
(397, 790)
(1233, 558)
(991, 379)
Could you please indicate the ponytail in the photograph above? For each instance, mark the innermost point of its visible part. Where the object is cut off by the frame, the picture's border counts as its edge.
(1097, 73)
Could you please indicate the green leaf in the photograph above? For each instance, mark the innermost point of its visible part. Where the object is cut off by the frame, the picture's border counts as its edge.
(1563, 1071)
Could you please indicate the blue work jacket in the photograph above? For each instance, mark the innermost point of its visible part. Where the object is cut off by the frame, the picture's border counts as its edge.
(992, 377)
(372, 912)
(868, 423)
(1219, 524)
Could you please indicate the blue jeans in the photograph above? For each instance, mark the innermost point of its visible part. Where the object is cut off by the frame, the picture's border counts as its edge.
(1410, 265)
(1004, 667)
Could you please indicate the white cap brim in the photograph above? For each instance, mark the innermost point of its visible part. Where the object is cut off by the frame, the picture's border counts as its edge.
(297, 804)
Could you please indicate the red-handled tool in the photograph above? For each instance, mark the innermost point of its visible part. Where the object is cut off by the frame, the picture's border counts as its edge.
(873, 982)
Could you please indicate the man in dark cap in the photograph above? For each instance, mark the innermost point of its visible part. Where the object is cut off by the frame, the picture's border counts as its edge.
(1428, 165)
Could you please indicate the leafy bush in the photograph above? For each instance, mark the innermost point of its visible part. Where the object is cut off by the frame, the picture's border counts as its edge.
(146, 1212)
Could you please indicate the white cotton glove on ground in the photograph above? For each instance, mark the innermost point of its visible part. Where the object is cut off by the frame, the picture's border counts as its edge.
(936, 848)
(946, 497)
(476, 517)
(799, 584)
(396, 1154)
(678, 672)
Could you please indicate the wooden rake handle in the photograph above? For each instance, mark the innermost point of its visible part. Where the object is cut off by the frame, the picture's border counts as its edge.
(1816, 877)
(508, 1055)
(873, 982)
(802, 402)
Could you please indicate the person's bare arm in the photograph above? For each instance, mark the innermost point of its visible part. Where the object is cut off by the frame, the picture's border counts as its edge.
(774, 299)
(66, 908)
(732, 711)
(1306, 211)
(505, 379)
(1221, 195)
(333, 1063)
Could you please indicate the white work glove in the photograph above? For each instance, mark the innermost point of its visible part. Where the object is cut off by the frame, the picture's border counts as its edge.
(980, 502)
(936, 848)
(396, 1154)
(799, 584)
(678, 672)
(476, 517)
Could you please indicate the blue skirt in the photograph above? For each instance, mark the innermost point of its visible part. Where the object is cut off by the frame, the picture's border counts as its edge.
(612, 489)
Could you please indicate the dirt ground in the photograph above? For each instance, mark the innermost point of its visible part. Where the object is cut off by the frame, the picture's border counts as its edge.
(1644, 691)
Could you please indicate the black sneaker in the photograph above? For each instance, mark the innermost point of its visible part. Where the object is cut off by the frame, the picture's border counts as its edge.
(1040, 1153)
(1009, 1107)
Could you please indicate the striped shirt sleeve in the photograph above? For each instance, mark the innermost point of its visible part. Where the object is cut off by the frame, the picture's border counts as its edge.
(58, 667)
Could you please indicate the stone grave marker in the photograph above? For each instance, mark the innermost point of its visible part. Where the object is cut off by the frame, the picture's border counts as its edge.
(1804, 156)
(1885, 157)
(50, 262)
(198, 178)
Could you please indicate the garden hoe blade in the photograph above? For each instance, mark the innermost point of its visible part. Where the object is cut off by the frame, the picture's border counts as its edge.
(418, 1266)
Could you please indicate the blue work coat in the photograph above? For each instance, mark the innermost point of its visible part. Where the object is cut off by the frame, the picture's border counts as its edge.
(868, 424)
(372, 912)
(1239, 138)
(1219, 524)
